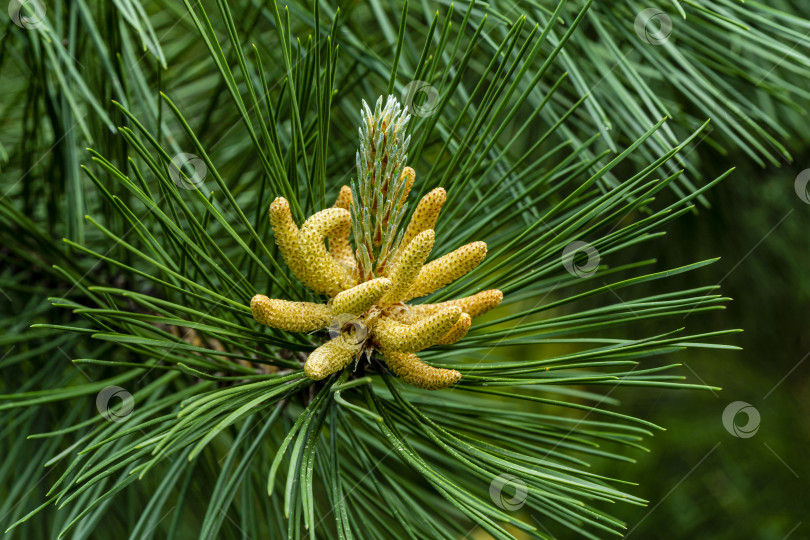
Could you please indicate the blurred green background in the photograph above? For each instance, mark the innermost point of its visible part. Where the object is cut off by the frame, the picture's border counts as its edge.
(702, 481)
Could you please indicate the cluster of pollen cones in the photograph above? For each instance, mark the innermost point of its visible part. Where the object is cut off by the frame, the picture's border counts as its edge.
(370, 315)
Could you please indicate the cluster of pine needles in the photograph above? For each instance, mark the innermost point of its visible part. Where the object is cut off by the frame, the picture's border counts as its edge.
(272, 360)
